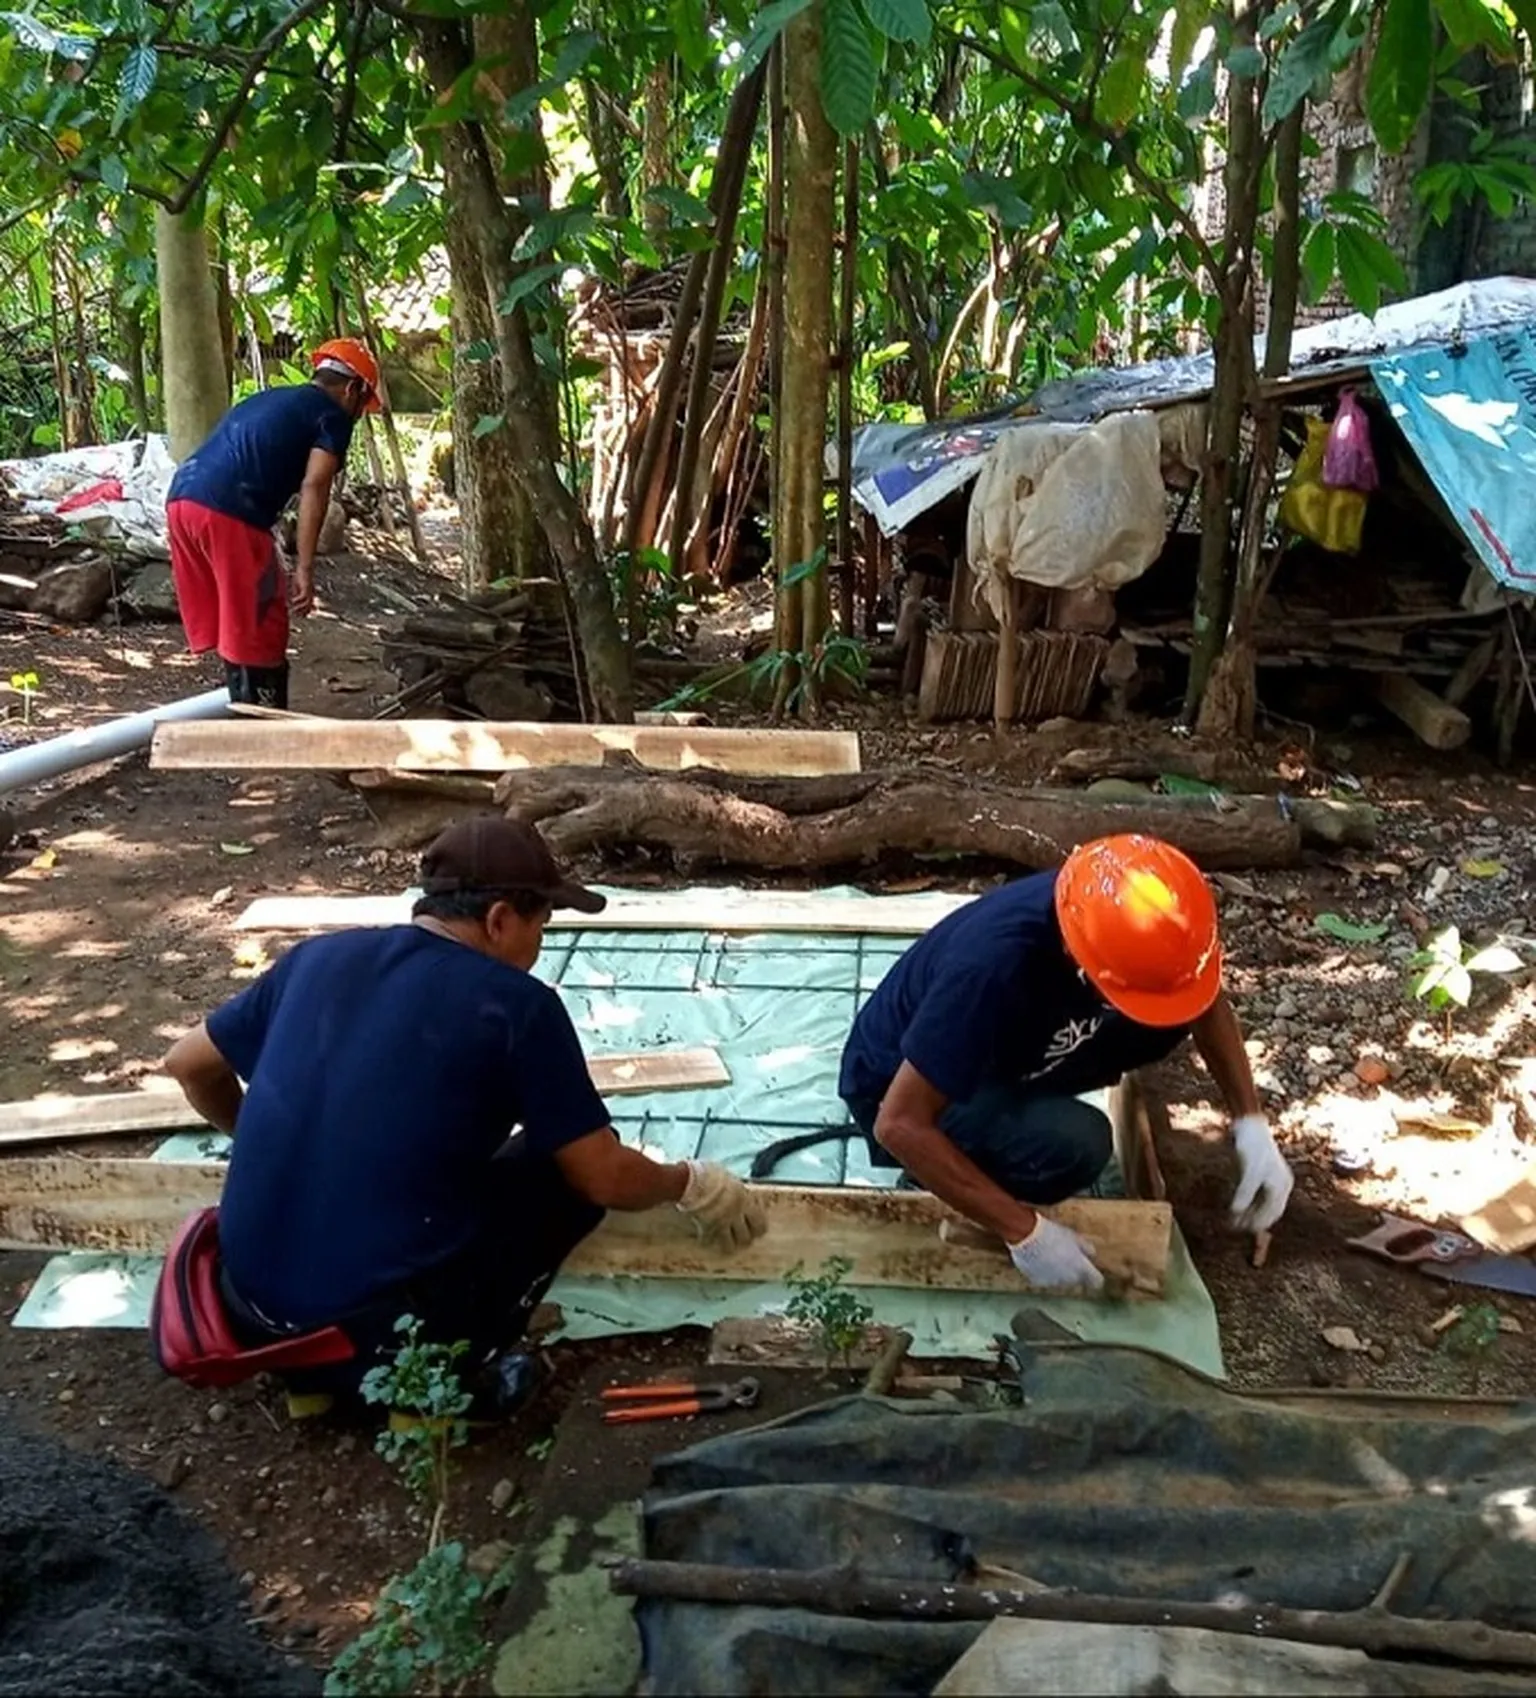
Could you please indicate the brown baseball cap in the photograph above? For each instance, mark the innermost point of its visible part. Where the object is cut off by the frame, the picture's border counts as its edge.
(495, 853)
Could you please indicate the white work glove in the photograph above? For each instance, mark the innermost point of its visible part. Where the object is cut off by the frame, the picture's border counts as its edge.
(1264, 1182)
(722, 1206)
(1055, 1258)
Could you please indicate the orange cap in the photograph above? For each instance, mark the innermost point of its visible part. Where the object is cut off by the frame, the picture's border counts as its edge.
(353, 356)
(1138, 918)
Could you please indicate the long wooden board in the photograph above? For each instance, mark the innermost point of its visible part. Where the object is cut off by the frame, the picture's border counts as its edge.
(645, 910)
(892, 1237)
(54, 1119)
(452, 745)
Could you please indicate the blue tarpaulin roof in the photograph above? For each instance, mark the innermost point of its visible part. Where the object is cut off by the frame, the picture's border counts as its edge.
(1469, 412)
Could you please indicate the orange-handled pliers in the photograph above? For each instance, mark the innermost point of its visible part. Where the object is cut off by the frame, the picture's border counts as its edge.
(668, 1402)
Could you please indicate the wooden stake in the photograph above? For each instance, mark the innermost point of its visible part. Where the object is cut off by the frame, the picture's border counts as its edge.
(843, 1592)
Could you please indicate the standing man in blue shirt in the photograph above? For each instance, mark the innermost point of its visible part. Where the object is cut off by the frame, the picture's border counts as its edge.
(226, 497)
(965, 1066)
(418, 1132)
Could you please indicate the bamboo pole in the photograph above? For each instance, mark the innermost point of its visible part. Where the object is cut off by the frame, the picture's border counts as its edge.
(391, 434)
(848, 279)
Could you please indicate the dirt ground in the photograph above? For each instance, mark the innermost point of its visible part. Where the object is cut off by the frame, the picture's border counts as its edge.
(116, 911)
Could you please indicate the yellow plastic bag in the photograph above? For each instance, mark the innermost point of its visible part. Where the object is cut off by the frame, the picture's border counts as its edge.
(1331, 517)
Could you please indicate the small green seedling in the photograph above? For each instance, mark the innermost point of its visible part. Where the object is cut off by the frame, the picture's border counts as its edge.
(26, 684)
(425, 1633)
(1474, 1338)
(823, 1302)
(1442, 971)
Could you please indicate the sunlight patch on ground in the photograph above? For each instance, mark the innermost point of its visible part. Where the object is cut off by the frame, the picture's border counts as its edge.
(80, 1049)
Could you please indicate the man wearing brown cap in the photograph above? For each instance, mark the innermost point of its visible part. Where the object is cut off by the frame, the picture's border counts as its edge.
(418, 1132)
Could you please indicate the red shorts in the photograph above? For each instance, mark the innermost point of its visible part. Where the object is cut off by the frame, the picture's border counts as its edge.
(232, 592)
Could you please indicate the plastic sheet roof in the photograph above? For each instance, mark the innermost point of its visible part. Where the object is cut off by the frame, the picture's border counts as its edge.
(1341, 348)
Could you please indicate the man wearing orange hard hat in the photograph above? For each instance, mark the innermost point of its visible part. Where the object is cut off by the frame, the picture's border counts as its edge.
(966, 1066)
(226, 497)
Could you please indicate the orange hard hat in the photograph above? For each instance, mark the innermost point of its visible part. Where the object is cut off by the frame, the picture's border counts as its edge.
(346, 353)
(1139, 919)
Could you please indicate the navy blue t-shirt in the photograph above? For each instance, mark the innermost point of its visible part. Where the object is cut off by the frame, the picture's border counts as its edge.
(253, 463)
(384, 1069)
(990, 997)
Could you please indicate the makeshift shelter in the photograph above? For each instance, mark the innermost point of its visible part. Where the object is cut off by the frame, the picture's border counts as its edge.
(1062, 522)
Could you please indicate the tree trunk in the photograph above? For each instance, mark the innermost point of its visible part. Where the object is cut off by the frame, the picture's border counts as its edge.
(605, 136)
(193, 373)
(523, 174)
(1233, 357)
(847, 301)
(733, 167)
(130, 325)
(656, 152)
(536, 451)
(799, 531)
(492, 505)
(1230, 702)
(225, 296)
(719, 820)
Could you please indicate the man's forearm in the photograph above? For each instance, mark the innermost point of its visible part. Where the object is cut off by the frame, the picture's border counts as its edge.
(1219, 1039)
(938, 1166)
(217, 1100)
(313, 501)
(635, 1182)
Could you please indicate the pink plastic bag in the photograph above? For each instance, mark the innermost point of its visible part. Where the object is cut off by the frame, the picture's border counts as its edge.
(1348, 462)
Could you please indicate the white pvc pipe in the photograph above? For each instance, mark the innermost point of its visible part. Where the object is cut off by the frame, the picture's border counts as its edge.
(101, 742)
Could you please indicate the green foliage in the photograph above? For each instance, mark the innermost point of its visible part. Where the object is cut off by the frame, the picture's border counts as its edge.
(823, 1302)
(849, 70)
(1347, 931)
(1498, 170)
(1397, 86)
(1442, 971)
(1474, 1337)
(421, 1383)
(425, 1633)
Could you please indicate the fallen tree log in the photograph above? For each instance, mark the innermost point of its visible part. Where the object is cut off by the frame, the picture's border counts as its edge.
(848, 820)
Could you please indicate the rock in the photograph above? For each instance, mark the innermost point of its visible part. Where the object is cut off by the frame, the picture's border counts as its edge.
(75, 593)
(329, 1498)
(1344, 1338)
(67, 1395)
(1286, 1008)
(1372, 1070)
(262, 1506)
(216, 1413)
(170, 1474)
(152, 594)
(502, 1493)
(485, 1560)
(346, 1444)
(1360, 1009)
(1118, 790)
(333, 530)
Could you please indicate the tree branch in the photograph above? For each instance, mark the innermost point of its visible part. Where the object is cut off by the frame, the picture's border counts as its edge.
(1124, 154)
(348, 103)
(254, 65)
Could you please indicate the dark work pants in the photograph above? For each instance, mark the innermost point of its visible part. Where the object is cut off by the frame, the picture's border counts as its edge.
(485, 1295)
(1040, 1149)
(257, 686)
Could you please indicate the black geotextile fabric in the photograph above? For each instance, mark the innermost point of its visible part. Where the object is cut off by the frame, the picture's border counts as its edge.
(1121, 1474)
(105, 1588)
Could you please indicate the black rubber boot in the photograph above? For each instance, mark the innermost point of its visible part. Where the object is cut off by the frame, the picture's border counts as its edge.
(258, 686)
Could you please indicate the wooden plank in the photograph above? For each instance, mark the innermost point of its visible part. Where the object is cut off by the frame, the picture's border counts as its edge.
(1507, 1222)
(450, 745)
(891, 1237)
(47, 1119)
(740, 911)
(1430, 719)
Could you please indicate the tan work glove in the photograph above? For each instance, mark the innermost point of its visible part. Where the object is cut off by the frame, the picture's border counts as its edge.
(722, 1206)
